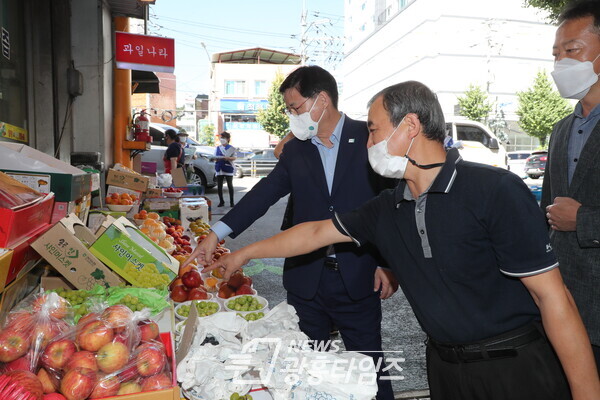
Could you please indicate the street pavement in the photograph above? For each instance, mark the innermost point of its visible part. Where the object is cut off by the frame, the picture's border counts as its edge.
(402, 336)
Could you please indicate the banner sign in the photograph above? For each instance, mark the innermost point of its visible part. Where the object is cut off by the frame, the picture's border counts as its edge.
(144, 53)
(231, 106)
(13, 132)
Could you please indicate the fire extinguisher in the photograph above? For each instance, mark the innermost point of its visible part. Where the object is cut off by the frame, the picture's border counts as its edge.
(141, 130)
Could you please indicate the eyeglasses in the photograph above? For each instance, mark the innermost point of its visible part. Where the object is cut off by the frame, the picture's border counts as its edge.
(294, 110)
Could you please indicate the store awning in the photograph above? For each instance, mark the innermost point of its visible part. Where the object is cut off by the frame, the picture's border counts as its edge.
(144, 82)
(256, 55)
(127, 8)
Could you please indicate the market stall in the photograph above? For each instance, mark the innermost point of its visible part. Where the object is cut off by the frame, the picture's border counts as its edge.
(95, 307)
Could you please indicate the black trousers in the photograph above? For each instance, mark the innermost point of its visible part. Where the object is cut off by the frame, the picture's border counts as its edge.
(534, 373)
(229, 188)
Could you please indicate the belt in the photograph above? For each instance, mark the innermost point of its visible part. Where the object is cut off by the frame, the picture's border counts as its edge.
(331, 263)
(502, 346)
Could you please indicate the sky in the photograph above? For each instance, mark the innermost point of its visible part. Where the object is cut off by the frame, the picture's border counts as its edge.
(237, 24)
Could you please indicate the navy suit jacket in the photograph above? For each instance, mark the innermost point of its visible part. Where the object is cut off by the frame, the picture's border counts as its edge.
(300, 172)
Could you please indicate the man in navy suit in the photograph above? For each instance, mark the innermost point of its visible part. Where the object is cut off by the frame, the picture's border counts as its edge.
(325, 169)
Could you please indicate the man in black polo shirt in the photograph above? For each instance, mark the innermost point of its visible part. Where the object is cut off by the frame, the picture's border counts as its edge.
(470, 248)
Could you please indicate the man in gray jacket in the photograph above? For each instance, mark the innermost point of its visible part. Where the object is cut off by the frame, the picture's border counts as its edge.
(571, 189)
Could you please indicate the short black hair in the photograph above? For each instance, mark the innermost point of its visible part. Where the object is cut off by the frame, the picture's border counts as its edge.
(226, 135)
(310, 80)
(414, 97)
(582, 9)
(172, 133)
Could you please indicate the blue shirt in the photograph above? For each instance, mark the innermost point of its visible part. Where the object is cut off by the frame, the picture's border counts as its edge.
(580, 132)
(328, 158)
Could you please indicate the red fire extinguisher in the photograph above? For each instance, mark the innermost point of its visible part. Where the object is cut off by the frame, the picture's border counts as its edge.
(141, 130)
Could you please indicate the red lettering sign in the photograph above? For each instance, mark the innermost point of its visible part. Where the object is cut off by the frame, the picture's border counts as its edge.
(144, 53)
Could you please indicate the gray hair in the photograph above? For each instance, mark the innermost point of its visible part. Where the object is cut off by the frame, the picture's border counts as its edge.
(414, 97)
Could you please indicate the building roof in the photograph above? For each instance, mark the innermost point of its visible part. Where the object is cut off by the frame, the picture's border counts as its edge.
(257, 55)
(127, 8)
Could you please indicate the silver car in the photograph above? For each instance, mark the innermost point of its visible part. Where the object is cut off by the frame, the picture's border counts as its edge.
(203, 169)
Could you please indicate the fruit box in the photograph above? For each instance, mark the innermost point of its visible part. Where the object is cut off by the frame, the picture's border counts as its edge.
(128, 252)
(79, 207)
(153, 193)
(18, 224)
(63, 247)
(43, 172)
(128, 180)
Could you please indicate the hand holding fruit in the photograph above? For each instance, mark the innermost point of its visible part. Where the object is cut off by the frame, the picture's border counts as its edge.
(232, 262)
(204, 251)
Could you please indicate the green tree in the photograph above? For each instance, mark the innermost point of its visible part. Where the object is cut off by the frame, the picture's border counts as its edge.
(207, 135)
(272, 118)
(540, 107)
(554, 7)
(475, 104)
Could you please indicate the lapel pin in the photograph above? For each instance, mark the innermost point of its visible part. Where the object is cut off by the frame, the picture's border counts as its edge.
(350, 140)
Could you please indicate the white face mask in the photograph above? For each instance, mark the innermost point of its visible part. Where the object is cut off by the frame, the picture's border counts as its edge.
(302, 126)
(574, 78)
(384, 163)
(223, 141)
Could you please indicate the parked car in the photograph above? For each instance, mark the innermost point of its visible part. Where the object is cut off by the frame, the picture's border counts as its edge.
(516, 162)
(262, 161)
(476, 142)
(203, 167)
(536, 164)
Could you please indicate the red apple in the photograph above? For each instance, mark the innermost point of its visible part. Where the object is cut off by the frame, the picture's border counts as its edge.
(148, 330)
(198, 293)
(112, 357)
(117, 316)
(20, 321)
(236, 280)
(244, 289)
(58, 353)
(49, 381)
(150, 359)
(225, 292)
(46, 331)
(20, 364)
(176, 282)
(53, 303)
(87, 318)
(247, 281)
(13, 344)
(94, 335)
(107, 386)
(28, 381)
(129, 388)
(54, 396)
(156, 382)
(179, 294)
(78, 383)
(129, 373)
(192, 279)
(82, 359)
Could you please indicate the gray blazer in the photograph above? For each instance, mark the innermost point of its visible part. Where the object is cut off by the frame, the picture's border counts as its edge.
(578, 252)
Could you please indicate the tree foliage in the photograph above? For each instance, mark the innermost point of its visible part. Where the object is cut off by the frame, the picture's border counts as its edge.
(207, 135)
(272, 118)
(553, 7)
(474, 104)
(540, 107)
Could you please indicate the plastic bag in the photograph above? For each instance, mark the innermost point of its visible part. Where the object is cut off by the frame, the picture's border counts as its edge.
(29, 327)
(164, 180)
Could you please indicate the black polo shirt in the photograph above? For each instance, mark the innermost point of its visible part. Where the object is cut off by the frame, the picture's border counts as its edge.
(458, 250)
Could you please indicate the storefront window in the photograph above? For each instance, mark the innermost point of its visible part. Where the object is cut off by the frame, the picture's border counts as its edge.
(13, 88)
(260, 88)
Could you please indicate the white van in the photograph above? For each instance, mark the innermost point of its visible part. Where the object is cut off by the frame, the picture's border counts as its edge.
(476, 142)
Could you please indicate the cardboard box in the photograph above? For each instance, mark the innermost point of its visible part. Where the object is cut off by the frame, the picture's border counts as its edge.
(127, 180)
(152, 193)
(43, 172)
(98, 217)
(18, 224)
(191, 210)
(21, 287)
(80, 207)
(131, 254)
(63, 247)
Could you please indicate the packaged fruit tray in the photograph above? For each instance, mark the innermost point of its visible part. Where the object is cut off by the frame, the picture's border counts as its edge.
(204, 307)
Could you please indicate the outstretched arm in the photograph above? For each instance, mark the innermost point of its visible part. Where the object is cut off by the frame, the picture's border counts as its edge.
(301, 239)
(566, 332)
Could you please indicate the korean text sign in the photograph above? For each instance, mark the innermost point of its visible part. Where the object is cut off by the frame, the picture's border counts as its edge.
(144, 53)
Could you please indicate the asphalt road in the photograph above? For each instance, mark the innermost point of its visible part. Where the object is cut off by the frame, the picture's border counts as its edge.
(402, 336)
